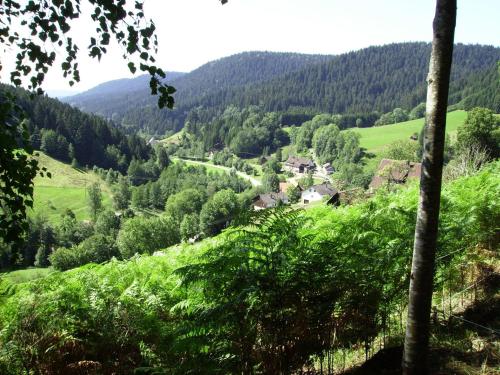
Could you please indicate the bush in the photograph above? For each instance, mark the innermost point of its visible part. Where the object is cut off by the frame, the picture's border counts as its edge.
(95, 249)
(147, 235)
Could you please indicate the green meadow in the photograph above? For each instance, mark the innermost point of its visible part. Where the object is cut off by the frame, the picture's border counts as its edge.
(26, 275)
(375, 138)
(67, 188)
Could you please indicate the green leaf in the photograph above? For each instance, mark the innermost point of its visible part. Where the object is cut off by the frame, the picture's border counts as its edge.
(132, 67)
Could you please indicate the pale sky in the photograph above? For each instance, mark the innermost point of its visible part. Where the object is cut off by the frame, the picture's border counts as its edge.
(193, 32)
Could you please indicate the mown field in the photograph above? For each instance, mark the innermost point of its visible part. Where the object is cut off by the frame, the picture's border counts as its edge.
(375, 138)
(65, 189)
(26, 275)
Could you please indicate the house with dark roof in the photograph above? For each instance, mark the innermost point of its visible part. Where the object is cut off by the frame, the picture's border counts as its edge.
(320, 192)
(328, 168)
(297, 164)
(392, 171)
(263, 201)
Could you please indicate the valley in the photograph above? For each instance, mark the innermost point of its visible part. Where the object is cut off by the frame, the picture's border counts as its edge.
(265, 224)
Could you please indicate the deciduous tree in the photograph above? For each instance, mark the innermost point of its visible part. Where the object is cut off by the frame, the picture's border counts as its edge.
(94, 197)
(416, 345)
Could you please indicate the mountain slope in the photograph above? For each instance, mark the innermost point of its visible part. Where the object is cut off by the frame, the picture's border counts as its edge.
(136, 108)
(67, 133)
(372, 79)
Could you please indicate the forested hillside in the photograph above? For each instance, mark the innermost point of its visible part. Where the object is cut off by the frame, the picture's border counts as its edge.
(71, 135)
(373, 79)
(136, 109)
(479, 89)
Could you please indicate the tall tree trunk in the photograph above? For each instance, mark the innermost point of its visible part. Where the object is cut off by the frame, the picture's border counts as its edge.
(415, 354)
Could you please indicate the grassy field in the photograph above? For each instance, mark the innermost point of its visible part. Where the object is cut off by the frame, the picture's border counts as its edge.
(23, 276)
(375, 138)
(65, 189)
(174, 138)
(208, 165)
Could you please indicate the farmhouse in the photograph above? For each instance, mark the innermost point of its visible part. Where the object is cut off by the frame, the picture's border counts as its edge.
(394, 172)
(318, 192)
(328, 168)
(298, 164)
(269, 200)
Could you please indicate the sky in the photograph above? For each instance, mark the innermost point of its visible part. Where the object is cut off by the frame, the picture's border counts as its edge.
(193, 32)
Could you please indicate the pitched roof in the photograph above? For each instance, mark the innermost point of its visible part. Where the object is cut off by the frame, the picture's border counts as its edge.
(271, 198)
(325, 189)
(396, 171)
(297, 161)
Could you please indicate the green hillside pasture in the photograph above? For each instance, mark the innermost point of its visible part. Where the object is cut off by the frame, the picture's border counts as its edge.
(375, 138)
(23, 276)
(52, 201)
(174, 138)
(208, 165)
(64, 175)
(65, 189)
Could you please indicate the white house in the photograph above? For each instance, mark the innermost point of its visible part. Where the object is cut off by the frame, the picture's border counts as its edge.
(317, 192)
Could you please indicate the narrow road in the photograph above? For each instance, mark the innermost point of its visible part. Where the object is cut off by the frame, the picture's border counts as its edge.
(318, 173)
(245, 176)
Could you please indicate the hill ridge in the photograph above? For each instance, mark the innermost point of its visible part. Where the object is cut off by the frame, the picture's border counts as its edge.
(376, 78)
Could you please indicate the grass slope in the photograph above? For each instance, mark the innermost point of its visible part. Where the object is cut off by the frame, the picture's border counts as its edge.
(65, 189)
(174, 138)
(375, 138)
(26, 275)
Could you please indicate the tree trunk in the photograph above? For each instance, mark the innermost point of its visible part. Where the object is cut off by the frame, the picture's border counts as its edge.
(422, 272)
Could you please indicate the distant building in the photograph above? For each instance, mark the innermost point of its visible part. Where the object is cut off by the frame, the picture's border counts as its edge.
(394, 172)
(269, 200)
(328, 169)
(152, 141)
(298, 164)
(318, 192)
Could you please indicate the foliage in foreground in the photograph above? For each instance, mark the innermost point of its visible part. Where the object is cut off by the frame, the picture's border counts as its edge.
(266, 298)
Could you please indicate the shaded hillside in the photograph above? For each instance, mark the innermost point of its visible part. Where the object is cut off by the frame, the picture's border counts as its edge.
(70, 135)
(373, 79)
(481, 89)
(109, 98)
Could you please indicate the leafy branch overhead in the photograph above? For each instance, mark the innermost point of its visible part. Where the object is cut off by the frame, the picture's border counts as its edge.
(43, 29)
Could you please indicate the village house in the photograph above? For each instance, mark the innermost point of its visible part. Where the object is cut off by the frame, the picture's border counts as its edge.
(319, 192)
(298, 164)
(394, 172)
(269, 200)
(328, 169)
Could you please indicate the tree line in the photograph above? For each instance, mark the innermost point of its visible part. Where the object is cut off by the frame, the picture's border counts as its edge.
(71, 135)
(298, 86)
